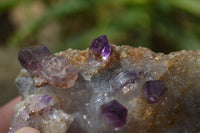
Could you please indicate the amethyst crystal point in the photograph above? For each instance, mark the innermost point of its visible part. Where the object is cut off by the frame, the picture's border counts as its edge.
(99, 51)
(153, 90)
(46, 99)
(123, 80)
(114, 114)
(38, 102)
(57, 71)
(30, 58)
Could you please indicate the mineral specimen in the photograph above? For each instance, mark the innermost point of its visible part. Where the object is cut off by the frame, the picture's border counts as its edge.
(110, 89)
(57, 71)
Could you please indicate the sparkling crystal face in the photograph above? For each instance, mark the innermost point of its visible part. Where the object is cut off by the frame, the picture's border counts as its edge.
(101, 46)
(123, 79)
(99, 49)
(153, 90)
(114, 114)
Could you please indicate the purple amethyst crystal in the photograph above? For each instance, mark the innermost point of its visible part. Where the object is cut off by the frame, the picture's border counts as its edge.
(40, 62)
(123, 79)
(114, 114)
(30, 58)
(38, 102)
(153, 90)
(99, 51)
(46, 99)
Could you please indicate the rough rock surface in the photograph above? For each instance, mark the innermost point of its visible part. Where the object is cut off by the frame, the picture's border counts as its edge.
(79, 107)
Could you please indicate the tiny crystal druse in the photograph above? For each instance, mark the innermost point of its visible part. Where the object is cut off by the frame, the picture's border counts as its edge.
(108, 88)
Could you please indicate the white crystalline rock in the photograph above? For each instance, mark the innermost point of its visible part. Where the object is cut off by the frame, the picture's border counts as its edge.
(56, 122)
(33, 112)
(24, 83)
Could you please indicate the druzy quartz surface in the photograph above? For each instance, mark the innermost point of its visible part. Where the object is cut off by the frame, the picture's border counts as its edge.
(108, 89)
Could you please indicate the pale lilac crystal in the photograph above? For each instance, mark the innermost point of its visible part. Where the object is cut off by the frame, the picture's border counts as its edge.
(123, 79)
(46, 99)
(153, 90)
(99, 51)
(114, 114)
(38, 102)
(57, 71)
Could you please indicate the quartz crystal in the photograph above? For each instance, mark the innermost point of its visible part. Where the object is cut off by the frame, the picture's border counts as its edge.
(39, 111)
(56, 70)
(99, 51)
(111, 89)
(123, 80)
(153, 90)
(114, 114)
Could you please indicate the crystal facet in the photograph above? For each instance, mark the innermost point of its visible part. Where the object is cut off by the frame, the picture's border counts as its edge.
(153, 90)
(56, 70)
(99, 51)
(123, 79)
(114, 114)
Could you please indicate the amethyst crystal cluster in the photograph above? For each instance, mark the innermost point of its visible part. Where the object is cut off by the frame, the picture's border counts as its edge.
(108, 88)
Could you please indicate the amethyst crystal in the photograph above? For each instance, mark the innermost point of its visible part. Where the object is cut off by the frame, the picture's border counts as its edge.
(39, 111)
(153, 90)
(46, 99)
(57, 71)
(38, 102)
(30, 58)
(123, 79)
(114, 114)
(99, 51)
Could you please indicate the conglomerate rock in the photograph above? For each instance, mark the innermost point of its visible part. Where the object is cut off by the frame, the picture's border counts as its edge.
(130, 90)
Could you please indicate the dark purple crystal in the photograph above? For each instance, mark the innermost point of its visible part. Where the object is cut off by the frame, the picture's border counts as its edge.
(101, 46)
(30, 58)
(153, 90)
(114, 114)
(99, 49)
(122, 79)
